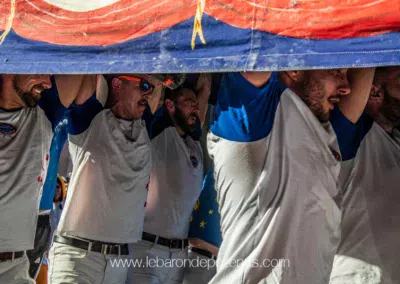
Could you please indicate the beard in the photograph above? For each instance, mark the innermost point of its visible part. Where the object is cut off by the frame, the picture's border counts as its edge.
(182, 121)
(28, 98)
(313, 97)
(390, 110)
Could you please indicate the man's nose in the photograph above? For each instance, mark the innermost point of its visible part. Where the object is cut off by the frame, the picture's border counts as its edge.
(147, 96)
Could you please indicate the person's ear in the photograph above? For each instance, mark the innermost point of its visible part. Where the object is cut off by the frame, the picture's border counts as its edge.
(116, 84)
(295, 75)
(170, 105)
(376, 95)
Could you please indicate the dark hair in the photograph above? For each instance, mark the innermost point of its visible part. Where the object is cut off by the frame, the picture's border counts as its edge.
(173, 95)
(381, 74)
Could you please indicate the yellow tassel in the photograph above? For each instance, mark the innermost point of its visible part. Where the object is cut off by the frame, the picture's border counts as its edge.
(9, 22)
(197, 28)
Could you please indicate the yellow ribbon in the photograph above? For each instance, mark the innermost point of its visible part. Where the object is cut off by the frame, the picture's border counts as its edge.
(9, 22)
(197, 28)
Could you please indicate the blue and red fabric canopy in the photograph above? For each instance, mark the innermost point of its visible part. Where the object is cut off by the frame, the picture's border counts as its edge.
(110, 36)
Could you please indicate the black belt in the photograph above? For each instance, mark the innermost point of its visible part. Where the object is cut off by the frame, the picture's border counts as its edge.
(96, 246)
(203, 252)
(5, 256)
(171, 243)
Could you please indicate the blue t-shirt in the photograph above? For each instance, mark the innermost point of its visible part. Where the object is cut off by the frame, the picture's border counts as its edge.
(244, 112)
(349, 135)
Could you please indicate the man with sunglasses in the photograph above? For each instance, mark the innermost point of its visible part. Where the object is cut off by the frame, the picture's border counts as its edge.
(369, 251)
(175, 183)
(105, 206)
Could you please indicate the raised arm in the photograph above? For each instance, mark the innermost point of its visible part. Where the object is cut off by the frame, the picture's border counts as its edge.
(258, 79)
(155, 97)
(353, 105)
(203, 88)
(75, 88)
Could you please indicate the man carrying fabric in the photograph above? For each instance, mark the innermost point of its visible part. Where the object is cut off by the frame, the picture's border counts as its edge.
(110, 150)
(204, 235)
(30, 109)
(276, 167)
(175, 183)
(369, 252)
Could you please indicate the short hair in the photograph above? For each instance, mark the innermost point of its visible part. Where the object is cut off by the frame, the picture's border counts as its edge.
(175, 94)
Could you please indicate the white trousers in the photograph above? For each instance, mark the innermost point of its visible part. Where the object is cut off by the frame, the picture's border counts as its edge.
(200, 270)
(156, 264)
(68, 264)
(15, 271)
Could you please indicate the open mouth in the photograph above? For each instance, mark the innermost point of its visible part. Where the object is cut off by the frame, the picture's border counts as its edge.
(37, 90)
(143, 103)
(334, 99)
(192, 119)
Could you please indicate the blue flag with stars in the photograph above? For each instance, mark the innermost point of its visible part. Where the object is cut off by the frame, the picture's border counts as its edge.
(205, 220)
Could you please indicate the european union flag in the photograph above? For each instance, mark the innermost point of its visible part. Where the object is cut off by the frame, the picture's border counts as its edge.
(205, 221)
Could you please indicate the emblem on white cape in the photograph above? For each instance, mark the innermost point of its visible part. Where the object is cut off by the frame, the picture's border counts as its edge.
(81, 6)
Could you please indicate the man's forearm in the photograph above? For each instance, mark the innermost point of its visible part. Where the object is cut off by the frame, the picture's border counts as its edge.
(353, 105)
(203, 93)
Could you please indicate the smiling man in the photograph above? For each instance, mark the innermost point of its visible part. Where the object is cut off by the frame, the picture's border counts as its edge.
(111, 155)
(30, 110)
(276, 167)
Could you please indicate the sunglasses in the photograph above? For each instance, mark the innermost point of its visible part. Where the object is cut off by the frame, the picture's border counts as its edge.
(144, 85)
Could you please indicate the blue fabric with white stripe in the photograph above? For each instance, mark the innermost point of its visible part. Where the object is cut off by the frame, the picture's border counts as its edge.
(227, 48)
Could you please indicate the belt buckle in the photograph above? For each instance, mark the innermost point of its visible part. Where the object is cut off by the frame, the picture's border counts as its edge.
(106, 249)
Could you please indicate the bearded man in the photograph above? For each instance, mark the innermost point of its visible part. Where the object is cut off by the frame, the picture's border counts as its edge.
(368, 251)
(30, 110)
(277, 162)
(175, 182)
